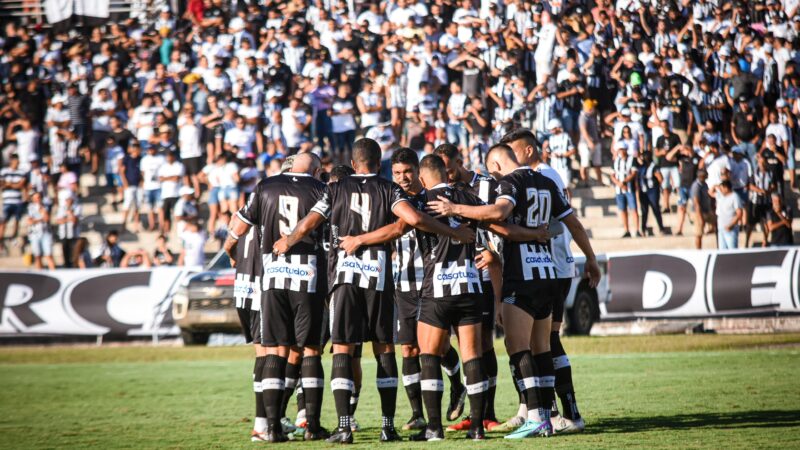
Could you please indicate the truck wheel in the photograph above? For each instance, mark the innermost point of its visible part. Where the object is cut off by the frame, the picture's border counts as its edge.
(581, 315)
(190, 338)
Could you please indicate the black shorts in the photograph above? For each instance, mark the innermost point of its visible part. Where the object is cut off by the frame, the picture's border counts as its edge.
(361, 315)
(487, 306)
(193, 166)
(291, 318)
(756, 213)
(168, 205)
(408, 304)
(251, 325)
(455, 311)
(534, 297)
(564, 285)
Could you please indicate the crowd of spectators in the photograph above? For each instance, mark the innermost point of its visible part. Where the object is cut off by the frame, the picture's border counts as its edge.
(691, 104)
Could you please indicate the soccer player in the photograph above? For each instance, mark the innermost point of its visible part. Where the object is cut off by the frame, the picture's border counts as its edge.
(360, 306)
(491, 280)
(408, 278)
(246, 292)
(523, 142)
(529, 289)
(291, 301)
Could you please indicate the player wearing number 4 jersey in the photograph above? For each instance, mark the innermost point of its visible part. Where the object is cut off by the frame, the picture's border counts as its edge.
(292, 298)
(529, 199)
(361, 305)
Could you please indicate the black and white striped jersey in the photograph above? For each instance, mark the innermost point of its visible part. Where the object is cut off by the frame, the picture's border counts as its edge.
(485, 188)
(247, 284)
(275, 207)
(356, 205)
(537, 200)
(408, 270)
(449, 265)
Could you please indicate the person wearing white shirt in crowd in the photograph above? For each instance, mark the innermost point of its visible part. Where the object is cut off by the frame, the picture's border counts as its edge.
(222, 178)
(295, 123)
(113, 155)
(151, 185)
(561, 150)
(171, 175)
(193, 241)
(102, 108)
(143, 120)
(370, 104)
(185, 208)
(27, 139)
(190, 146)
(239, 140)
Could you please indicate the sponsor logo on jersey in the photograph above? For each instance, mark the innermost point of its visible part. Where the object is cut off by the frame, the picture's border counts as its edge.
(362, 266)
(538, 259)
(286, 269)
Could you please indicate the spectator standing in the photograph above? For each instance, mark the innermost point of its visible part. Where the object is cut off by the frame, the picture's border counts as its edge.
(171, 175)
(193, 241)
(343, 122)
(186, 208)
(649, 182)
(40, 236)
(150, 165)
(114, 154)
(624, 179)
(27, 139)
(687, 170)
(190, 145)
(590, 147)
(700, 199)
(729, 215)
(68, 217)
(14, 182)
(760, 200)
(131, 174)
(779, 221)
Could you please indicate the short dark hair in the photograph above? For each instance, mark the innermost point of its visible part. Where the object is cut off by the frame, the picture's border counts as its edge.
(503, 148)
(434, 163)
(341, 171)
(405, 155)
(520, 133)
(726, 184)
(448, 151)
(368, 152)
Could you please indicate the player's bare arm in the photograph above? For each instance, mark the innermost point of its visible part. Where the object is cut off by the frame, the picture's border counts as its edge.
(591, 269)
(518, 233)
(407, 213)
(304, 227)
(387, 233)
(496, 212)
(236, 229)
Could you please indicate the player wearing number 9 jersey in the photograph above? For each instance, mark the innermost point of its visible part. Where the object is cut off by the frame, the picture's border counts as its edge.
(292, 298)
(362, 305)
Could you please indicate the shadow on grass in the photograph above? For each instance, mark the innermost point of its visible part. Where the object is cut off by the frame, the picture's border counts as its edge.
(727, 420)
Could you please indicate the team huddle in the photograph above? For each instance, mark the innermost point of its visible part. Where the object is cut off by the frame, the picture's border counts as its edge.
(439, 251)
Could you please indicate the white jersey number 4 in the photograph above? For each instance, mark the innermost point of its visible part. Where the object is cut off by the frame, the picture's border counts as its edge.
(539, 211)
(360, 204)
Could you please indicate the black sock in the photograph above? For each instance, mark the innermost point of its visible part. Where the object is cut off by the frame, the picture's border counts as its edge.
(313, 383)
(290, 383)
(564, 388)
(432, 388)
(515, 379)
(489, 360)
(411, 377)
(476, 390)
(525, 369)
(386, 381)
(452, 367)
(547, 381)
(342, 386)
(261, 412)
(272, 382)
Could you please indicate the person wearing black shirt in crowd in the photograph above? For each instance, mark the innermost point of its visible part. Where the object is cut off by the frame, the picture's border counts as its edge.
(779, 222)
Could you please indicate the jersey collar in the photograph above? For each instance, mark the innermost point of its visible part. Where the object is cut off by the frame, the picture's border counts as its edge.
(295, 174)
(440, 185)
(364, 175)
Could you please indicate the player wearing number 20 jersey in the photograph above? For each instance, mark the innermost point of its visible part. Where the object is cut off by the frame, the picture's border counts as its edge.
(536, 200)
(292, 291)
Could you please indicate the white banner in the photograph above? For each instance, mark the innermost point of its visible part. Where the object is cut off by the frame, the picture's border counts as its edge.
(93, 302)
(699, 283)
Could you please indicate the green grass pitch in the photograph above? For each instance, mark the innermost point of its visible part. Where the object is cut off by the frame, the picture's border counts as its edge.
(703, 391)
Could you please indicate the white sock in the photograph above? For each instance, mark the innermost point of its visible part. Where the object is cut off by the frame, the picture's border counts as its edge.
(535, 416)
(260, 425)
(522, 411)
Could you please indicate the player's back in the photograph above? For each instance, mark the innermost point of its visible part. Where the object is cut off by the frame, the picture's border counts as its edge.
(449, 265)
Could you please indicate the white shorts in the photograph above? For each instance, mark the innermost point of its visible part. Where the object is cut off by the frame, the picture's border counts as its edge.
(132, 198)
(566, 175)
(590, 157)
